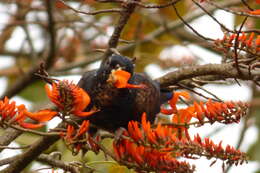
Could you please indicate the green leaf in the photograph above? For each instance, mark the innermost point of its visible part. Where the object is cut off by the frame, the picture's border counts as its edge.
(118, 169)
(35, 92)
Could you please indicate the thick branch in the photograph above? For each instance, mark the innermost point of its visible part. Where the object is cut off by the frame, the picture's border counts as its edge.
(224, 70)
(57, 163)
(28, 156)
(9, 135)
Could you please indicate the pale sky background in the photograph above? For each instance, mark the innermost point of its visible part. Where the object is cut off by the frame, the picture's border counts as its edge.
(206, 27)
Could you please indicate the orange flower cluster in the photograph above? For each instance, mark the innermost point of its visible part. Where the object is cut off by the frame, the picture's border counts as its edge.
(12, 114)
(222, 112)
(77, 137)
(140, 142)
(69, 98)
(161, 135)
(247, 43)
(72, 134)
(211, 150)
(149, 159)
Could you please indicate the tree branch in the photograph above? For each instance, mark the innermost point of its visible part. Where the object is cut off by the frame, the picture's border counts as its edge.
(172, 26)
(9, 135)
(29, 77)
(29, 155)
(57, 163)
(128, 9)
(225, 71)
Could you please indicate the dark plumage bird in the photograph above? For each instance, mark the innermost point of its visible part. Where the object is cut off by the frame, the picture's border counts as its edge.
(118, 106)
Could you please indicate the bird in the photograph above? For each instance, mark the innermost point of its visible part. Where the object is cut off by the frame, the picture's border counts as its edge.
(118, 106)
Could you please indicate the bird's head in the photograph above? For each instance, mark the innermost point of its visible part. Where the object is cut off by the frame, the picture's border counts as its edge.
(113, 63)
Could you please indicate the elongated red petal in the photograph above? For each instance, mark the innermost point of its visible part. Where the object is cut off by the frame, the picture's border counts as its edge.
(42, 115)
(85, 114)
(53, 95)
(255, 12)
(30, 125)
(20, 116)
(82, 99)
(83, 128)
(167, 111)
(70, 132)
(121, 78)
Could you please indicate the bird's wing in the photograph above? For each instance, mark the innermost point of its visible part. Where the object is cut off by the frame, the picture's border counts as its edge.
(147, 99)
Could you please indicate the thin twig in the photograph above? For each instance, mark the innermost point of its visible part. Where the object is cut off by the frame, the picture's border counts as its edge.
(239, 13)
(155, 34)
(93, 12)
(189, 26)
(210, 15)
(236, 46)
(199, 94)
(34, 131)
(203, 89)
(247, 5)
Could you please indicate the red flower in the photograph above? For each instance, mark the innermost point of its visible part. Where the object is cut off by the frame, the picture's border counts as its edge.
(223, 112)
(257, 41)
(73, 134)
(41, 116)
(148, 158)
(30, 125)
(70, 132)
(255, 12)
(120, 79)
(83, 128)
(7, 109)
(134, 130)
(146, 134)
(69, 98)
(21, 117)
(10, 113)
(173, 102)
(251, 37)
